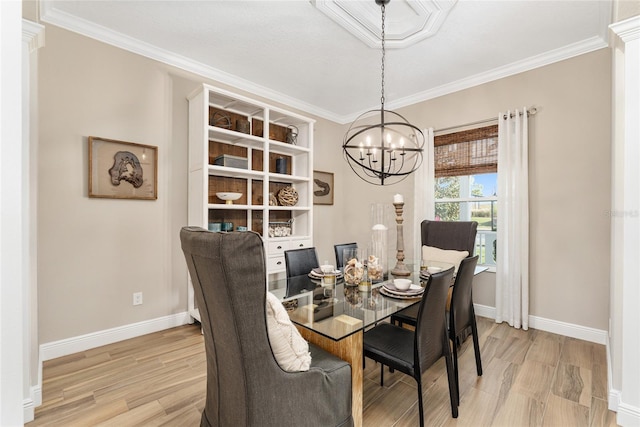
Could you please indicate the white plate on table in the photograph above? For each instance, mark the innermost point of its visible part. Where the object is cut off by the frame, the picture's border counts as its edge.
(319, 275)
(386, 292)
(414, 290)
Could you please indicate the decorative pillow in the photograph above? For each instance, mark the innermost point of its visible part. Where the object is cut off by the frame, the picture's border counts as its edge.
(289, 348)
(442, 255)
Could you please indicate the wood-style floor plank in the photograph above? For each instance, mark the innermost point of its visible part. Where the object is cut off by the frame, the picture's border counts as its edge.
(531, 378)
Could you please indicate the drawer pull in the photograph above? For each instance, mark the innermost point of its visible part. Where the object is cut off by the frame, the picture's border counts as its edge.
(301, 245)
(279, 263)
(279, 247)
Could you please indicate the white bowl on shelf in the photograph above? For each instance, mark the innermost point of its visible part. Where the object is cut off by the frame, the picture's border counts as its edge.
(228, 197)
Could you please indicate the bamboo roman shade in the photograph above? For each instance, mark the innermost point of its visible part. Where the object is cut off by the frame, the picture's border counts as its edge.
(467, 152)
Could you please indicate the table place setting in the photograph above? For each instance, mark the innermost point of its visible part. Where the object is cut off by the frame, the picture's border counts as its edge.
(401, 288)
(317, 273)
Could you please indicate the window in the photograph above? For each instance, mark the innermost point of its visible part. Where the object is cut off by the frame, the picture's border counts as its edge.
(466, 184)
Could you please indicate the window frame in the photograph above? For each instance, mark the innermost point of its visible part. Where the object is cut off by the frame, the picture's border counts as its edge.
(469, 136)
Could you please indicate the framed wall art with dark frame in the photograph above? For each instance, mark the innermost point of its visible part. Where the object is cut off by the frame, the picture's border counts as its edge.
(322, 188)
(122, 170)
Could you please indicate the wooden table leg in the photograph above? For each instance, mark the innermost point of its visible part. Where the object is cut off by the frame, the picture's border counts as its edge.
(348, 349)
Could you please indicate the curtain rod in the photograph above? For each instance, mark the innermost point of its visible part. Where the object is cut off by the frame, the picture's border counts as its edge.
(530, 112)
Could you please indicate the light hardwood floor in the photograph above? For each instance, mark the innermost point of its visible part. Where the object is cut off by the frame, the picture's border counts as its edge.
(531, 378)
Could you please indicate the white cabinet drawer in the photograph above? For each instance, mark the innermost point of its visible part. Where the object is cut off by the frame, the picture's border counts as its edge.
(275, 264)
(300, 243)
(277, 247)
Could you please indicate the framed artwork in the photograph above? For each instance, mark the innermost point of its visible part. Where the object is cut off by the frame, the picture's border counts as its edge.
(322, 188)
(122, 170)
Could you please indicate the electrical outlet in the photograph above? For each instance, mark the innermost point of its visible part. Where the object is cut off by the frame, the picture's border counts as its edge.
(137, 298)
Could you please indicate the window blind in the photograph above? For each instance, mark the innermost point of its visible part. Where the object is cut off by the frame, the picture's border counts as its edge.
(467, 152)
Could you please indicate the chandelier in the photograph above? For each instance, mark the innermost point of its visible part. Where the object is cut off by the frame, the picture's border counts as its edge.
(381, 146)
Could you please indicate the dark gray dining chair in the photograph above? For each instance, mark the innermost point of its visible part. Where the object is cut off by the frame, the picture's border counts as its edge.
(412, 352)
(462, 317)
(339, 250)
(448, 235)
(300, 262)
(245, 385)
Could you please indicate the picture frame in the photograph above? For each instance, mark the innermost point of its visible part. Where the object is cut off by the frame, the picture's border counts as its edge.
(122, 170)
(322, 188)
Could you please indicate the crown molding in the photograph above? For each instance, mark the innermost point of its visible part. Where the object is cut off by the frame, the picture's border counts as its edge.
(547, 58)
(32, 34)
(72, 23)
(627, 30)
(105, 35)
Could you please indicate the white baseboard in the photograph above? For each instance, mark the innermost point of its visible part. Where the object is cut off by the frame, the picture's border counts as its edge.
(554, 326)
(584, 333)
(614, 399)
(628, 415)
(29, 405)
(485, 311)
(67, 346)
(614, 395)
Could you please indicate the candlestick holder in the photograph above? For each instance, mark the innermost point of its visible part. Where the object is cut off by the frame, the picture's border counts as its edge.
(400, 269)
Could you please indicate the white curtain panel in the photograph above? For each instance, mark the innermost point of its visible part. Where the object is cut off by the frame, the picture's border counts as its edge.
(512, 272)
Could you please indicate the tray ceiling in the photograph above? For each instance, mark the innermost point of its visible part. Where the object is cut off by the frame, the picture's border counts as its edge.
(292, 52)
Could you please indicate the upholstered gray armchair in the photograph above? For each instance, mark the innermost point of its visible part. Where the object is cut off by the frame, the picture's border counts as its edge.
(245, 384)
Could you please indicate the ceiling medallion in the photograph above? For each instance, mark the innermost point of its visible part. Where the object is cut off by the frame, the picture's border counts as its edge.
(410, 21)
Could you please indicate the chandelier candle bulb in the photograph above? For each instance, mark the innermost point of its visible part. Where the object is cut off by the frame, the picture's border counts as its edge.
(398, 198)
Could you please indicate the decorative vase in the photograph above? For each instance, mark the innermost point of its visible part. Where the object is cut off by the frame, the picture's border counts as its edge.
(378, 247)
(281, 165)
(353, 269)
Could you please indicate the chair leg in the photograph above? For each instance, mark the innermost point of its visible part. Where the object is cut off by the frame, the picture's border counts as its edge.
(453, 390)
(476, 345)
(420, 404)
(455, 368)
(381, 375)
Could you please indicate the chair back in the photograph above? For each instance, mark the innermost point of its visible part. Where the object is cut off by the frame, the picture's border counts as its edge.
(230, 293)
(245, 385)
(431, 329)
(300, 261)
(461, 310)
(451, 235)
(339, 250)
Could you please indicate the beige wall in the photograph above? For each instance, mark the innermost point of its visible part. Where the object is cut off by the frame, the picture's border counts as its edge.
(623, 9)
(93, 254)
(569, 159)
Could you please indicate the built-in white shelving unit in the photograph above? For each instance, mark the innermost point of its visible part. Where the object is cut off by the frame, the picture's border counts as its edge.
(260, 150)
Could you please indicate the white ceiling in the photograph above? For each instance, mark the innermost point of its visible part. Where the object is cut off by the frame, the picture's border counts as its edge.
(291, 52)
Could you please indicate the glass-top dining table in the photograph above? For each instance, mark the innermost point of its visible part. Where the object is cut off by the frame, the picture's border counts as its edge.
(334, 317)
(337, 311)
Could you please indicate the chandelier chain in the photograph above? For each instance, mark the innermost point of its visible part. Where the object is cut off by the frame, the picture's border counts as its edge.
(383, 55)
